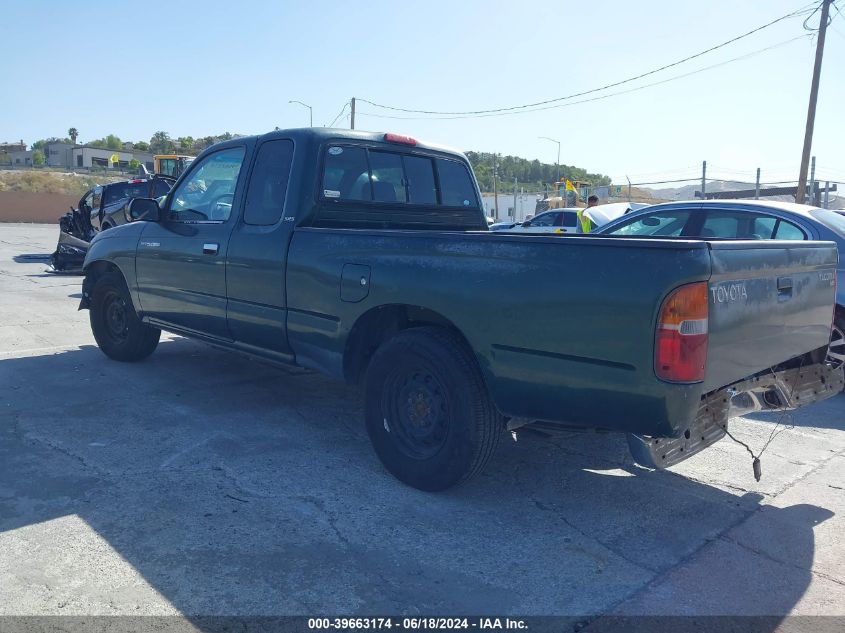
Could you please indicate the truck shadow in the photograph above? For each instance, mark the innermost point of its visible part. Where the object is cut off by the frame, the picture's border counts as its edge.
(234, 488)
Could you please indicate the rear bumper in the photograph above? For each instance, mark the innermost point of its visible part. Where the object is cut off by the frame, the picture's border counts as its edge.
(782, 390)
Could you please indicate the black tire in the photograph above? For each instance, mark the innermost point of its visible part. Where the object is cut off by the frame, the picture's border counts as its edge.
(428, 412)
(120, 334)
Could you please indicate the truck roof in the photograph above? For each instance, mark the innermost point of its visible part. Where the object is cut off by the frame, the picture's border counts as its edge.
(320, 134)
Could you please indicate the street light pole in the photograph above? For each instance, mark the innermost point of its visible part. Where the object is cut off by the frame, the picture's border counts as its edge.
(310, 112)
(546, 138)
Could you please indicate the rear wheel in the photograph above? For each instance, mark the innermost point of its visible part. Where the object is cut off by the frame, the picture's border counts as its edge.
(120, 334)
(428, 412)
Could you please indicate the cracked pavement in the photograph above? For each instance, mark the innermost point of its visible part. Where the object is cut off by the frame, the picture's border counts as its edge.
(202, 483)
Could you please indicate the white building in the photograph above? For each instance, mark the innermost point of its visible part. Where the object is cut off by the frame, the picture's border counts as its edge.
(525, 205)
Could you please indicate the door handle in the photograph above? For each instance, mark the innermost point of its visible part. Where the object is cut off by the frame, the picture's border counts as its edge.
(784, 286)
(210, 249)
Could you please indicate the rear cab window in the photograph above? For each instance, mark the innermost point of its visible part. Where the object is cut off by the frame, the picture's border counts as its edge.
(370, 185)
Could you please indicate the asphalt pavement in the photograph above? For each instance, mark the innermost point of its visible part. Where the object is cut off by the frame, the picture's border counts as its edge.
(199, 482)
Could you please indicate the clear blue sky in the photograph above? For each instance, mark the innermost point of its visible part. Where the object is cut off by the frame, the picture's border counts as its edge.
(216, 66)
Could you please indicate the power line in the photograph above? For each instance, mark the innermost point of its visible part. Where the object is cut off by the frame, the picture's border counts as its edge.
(509, 111)
(339, 114)
(592, 90)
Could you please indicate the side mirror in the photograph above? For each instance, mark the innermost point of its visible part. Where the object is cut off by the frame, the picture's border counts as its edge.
(142, 209)
(651, 221)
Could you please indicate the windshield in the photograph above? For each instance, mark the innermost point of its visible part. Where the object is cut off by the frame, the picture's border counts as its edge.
(832, 220)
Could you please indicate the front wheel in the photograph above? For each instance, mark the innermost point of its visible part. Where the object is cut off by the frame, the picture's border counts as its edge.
(428, 413)
(120, 334)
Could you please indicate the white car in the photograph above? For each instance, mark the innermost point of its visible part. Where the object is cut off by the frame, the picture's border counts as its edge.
(566, 220)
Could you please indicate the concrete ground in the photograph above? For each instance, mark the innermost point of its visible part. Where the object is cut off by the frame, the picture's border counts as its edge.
(199, 482)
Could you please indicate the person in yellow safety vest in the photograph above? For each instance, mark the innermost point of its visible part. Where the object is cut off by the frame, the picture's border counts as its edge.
(584, 222)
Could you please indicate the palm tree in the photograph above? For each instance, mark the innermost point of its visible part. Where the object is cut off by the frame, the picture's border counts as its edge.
(73, 133)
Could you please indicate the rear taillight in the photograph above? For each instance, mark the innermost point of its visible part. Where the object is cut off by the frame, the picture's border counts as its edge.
(680, 344)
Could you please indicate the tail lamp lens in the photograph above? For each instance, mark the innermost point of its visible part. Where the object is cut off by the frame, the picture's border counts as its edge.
(680, 350)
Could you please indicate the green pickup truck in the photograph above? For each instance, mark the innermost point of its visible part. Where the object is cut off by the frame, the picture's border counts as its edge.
(367, 257)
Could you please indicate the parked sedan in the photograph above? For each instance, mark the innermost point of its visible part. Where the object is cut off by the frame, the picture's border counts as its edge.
(745, 219)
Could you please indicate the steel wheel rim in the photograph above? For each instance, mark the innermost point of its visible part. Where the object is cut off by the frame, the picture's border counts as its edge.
(416, 413)
(836, 349)
(116, 317)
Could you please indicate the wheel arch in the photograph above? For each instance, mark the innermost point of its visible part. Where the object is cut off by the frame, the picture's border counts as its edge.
(378, 324)
(93, 271)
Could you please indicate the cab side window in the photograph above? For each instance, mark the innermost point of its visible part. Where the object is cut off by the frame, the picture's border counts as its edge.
(208, 192)
(268, 184)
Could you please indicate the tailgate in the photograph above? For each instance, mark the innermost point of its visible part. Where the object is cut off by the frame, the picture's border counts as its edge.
(769, 302)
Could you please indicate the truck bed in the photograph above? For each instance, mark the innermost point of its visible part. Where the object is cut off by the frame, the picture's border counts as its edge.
(564, 327)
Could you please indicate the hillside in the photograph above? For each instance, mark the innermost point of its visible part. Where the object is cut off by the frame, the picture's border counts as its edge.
(530, 174)
(687, 192)
(43, 181)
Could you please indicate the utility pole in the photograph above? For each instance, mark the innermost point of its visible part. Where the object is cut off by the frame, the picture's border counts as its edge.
(827, 194)
(811, 109)
(514, 197)
(813, 180)
(757, 186)
(352, 118)
(629, 188)
(703, 179)
(495, 187)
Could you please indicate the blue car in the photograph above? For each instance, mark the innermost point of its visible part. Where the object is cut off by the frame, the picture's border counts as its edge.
(746, 220)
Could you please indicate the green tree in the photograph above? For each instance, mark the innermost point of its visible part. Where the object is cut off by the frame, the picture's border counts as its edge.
(185, 142)
(142, 146)
(113, 142)
(160, 143)
(45, 141)
(38, 157)
(73, 133)
(134, 163)
(109, 142)
(530, 174)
